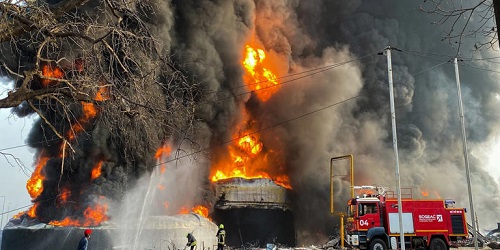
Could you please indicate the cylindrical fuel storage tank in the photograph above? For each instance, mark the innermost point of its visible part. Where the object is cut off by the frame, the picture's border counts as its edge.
(254, 212)
(156, 232)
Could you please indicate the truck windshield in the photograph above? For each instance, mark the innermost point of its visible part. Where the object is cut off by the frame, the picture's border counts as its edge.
(367, 208)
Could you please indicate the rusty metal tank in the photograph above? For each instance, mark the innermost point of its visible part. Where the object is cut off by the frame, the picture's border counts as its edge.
(255, 212)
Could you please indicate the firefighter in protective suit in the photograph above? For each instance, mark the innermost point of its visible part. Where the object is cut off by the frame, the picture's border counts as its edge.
(221, 237)
(191, 241)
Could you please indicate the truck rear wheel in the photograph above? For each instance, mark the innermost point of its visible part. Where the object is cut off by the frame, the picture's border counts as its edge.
(438, 244)
(378, 244)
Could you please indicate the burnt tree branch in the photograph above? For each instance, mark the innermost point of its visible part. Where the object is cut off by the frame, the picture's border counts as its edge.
(20, 24)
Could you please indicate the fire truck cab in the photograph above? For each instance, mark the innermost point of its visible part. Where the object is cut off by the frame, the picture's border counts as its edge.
(373, 222)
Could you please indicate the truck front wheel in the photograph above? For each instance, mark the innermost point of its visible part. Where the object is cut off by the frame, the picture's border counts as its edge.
(378, 244)
(438, 244)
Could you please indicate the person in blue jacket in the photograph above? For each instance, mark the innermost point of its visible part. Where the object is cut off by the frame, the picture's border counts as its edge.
(84, 242)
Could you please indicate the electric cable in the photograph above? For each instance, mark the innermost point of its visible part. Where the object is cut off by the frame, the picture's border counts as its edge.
(299, 76)
(310, 73)
(258, 131)
(483, 69)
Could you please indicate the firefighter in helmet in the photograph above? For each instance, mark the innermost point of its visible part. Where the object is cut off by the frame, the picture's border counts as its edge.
(191, 241)
(221, 237)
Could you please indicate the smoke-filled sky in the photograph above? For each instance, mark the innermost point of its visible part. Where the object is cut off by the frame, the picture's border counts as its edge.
(208, 38)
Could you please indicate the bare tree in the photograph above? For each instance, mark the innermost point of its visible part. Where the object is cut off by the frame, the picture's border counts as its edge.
(466, 19)
(101, 82)
(98, 52)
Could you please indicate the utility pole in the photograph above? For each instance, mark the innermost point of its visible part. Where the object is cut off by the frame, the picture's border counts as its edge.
(395, 145)
(466, 154)
(3, 207)
(496, 8)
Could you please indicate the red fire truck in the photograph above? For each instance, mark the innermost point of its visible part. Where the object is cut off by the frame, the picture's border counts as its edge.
(373, 222)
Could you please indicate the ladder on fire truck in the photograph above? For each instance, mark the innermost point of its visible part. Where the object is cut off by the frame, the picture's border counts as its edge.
(481, 238)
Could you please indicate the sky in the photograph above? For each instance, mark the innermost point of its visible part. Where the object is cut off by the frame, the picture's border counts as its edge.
(14, 174)
(314, 34)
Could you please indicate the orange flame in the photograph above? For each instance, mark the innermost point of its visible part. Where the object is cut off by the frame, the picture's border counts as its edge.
(102, 94)
(35, 183)
(427, 193)
(18, 215)
(246, 157)
(283, 181)
(250, 145)
(32, 211)
(201, 210)
(162, 153)
(64, 195)
(65, 222)
(259, 77)
(183, 210)
(51, 72)
(93, 217)
(89, 111)
(96, 171)
(247, 160)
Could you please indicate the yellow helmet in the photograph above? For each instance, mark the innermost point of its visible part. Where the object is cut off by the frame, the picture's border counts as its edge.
(221, 226)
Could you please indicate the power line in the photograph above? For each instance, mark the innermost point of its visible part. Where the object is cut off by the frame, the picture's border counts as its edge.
(432, 67)
(308, 73)
(34, 143)
(483, 69)
(229, 141)
(314, 71)
(440, 56)
(300, 75)
(427, 54)
(422, 54)
(260, 130)
(16, 209)
(26, 206)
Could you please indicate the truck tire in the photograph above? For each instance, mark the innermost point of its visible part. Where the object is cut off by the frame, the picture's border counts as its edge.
(438, 244)
(377, 244)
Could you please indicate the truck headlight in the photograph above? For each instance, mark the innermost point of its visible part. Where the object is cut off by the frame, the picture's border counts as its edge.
(354, 240)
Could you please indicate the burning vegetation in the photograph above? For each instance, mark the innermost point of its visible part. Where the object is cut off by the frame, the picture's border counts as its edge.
(107, 96)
